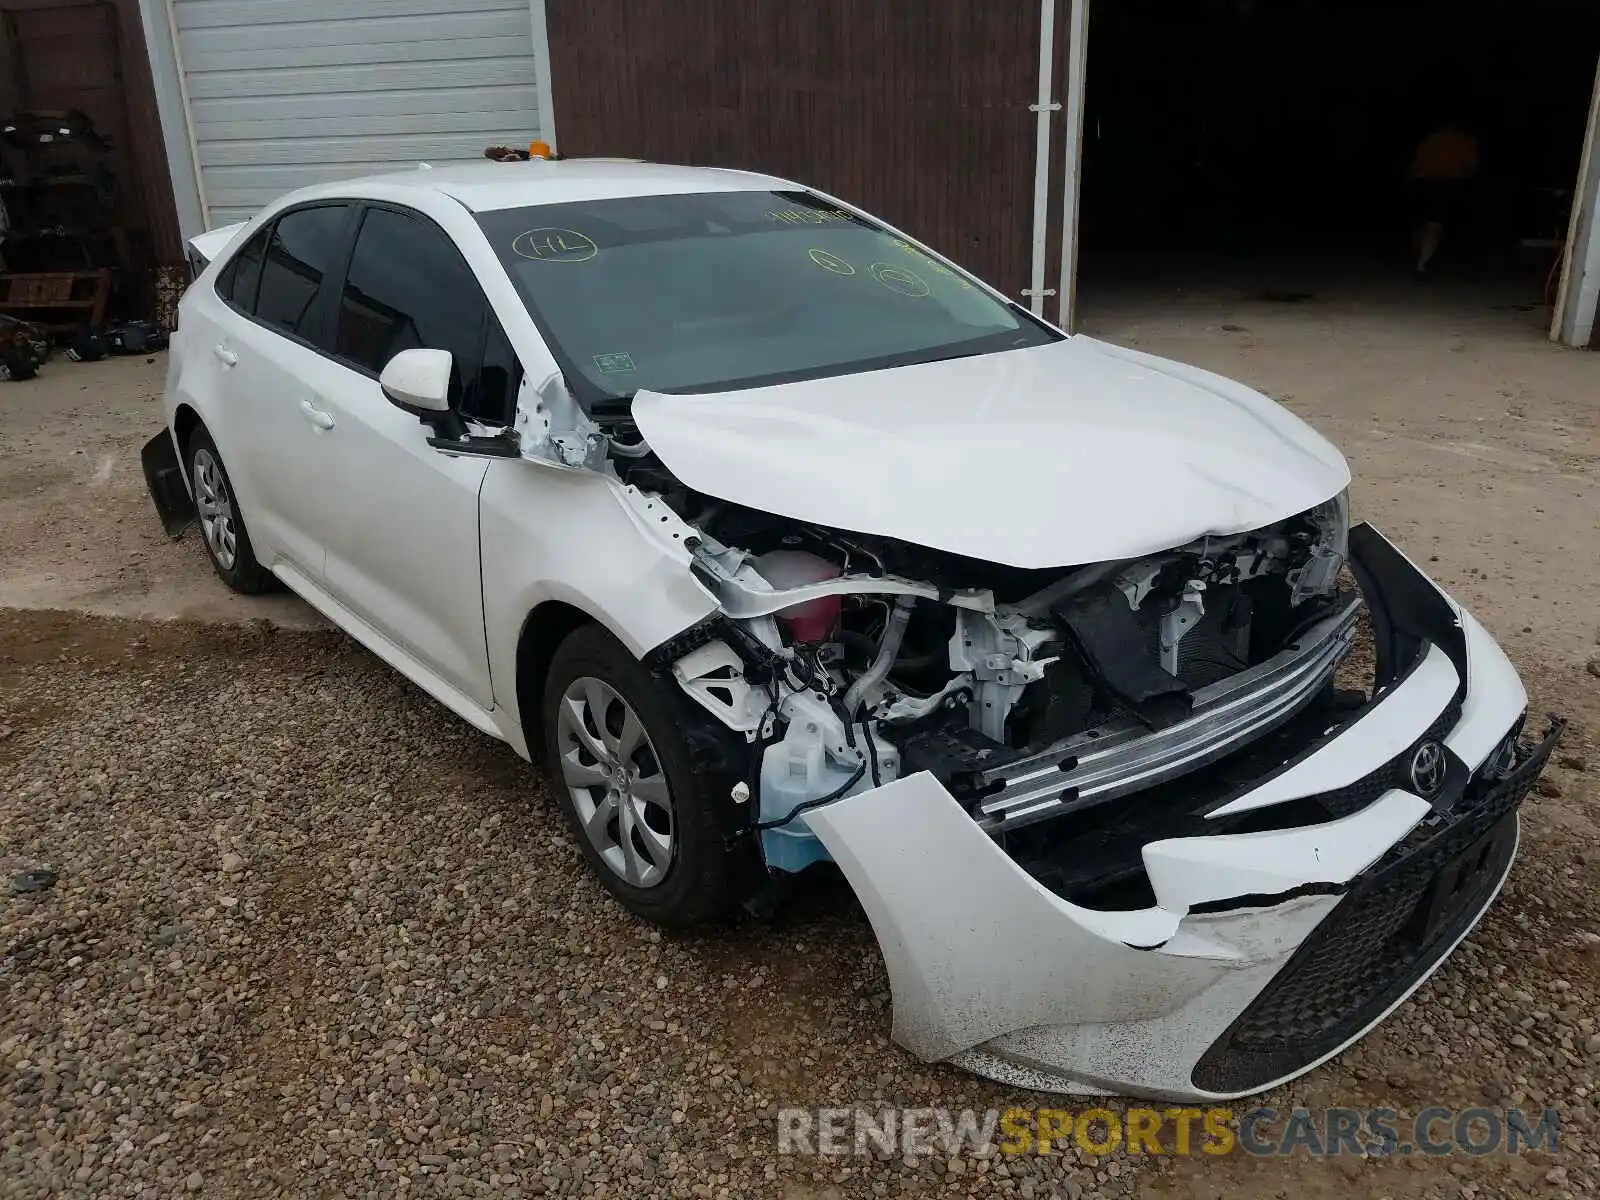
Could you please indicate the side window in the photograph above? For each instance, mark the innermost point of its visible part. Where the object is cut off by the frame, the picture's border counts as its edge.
(303, 247)
(494, 400)
(408, 287)
(238, 280)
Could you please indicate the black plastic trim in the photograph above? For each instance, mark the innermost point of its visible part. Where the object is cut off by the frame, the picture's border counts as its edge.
(1407, 608)
(1395, 924)
(169, 491)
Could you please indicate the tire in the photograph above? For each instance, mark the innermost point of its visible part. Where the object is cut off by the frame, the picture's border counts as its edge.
(669, 864)
(221, 524)
(17, 365)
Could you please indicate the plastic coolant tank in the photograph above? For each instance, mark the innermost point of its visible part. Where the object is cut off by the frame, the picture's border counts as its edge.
(814, 620)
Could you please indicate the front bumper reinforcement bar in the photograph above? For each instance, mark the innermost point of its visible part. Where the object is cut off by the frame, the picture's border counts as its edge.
(1091, 768)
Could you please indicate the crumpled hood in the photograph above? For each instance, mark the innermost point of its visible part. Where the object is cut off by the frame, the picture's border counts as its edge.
(1073, 452)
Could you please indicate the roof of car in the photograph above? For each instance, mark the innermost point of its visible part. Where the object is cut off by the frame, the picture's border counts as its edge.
(486, 186)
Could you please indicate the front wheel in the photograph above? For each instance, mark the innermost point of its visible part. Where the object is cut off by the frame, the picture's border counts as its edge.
(622, 774)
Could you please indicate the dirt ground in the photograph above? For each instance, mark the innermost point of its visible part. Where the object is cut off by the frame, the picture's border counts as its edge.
(1474, 443)
(76, 530)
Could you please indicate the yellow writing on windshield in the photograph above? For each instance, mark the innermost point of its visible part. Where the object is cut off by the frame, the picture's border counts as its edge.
(932, 264)
(808, 216)
(554, 245)
(830, 262)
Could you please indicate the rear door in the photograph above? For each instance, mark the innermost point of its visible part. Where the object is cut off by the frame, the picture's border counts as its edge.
(403, 544)
(271, 351)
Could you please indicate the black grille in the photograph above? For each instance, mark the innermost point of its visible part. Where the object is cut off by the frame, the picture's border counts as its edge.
(1395, 923)
(1106, 843)
(1393, 774)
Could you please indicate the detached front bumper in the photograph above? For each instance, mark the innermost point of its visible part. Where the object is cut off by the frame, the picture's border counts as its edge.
(1267, 950)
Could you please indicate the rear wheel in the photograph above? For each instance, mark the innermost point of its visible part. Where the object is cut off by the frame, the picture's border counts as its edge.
(221, 524)
(622, 774)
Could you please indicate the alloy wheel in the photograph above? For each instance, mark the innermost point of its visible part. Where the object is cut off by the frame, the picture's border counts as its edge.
(616, 782)
(214, 505)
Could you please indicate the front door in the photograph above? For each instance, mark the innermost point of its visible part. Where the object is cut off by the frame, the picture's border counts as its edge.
(403, 549)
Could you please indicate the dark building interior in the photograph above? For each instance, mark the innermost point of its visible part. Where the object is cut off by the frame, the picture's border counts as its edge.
(90, 231)
(1262, 131)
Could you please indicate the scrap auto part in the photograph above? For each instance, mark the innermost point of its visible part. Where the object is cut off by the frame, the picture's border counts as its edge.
(1071, 687)
(999, 656)
(164, 477)
(894, 632)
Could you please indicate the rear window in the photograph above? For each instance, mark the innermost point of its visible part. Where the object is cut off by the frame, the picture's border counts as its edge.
(301, 251)
(238, 281)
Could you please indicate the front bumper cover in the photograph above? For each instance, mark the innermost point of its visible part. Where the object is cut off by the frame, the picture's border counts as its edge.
(1265, 952)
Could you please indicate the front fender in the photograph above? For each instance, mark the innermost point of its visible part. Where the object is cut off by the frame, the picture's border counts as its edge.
(548, 533)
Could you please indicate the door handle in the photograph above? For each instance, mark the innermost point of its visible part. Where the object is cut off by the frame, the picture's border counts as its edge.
(315, 415)
(225, 356)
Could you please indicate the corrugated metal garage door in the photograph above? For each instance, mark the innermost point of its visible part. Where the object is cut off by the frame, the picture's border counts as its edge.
(293, 92)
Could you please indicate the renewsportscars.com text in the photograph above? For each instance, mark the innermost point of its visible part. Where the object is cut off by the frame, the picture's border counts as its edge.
(1261, 1131)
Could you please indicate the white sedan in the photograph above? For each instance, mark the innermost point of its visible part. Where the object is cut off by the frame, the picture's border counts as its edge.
(779, 539)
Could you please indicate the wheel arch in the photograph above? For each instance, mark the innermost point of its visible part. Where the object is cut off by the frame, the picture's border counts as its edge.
(547, 625)
(717, 757)
(185, 420)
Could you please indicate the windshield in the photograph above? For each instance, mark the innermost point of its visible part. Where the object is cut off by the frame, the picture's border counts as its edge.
(721, 290)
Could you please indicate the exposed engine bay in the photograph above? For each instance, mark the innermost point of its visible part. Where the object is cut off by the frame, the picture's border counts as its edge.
(847, 660)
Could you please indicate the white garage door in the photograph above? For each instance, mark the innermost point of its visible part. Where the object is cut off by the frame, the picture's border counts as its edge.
(285, 93)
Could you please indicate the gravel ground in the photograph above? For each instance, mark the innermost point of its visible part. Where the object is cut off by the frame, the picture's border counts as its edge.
(314, 935)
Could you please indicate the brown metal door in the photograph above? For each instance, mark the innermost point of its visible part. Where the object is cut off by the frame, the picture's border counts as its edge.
(90, 55)
(916, 111)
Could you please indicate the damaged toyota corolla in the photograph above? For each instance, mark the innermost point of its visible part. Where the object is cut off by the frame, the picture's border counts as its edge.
(781, 539)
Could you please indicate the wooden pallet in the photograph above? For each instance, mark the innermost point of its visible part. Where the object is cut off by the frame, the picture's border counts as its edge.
(46, 296)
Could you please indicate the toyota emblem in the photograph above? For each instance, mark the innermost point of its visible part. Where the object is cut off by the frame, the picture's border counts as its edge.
(1428, 769)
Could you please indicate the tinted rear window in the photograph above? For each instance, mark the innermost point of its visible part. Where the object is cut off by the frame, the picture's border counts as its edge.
(240, 278)
(303, 247)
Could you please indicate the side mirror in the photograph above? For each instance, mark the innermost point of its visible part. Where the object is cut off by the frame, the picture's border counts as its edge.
(418, 381)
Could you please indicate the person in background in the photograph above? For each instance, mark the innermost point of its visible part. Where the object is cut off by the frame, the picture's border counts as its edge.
(1444, 164)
